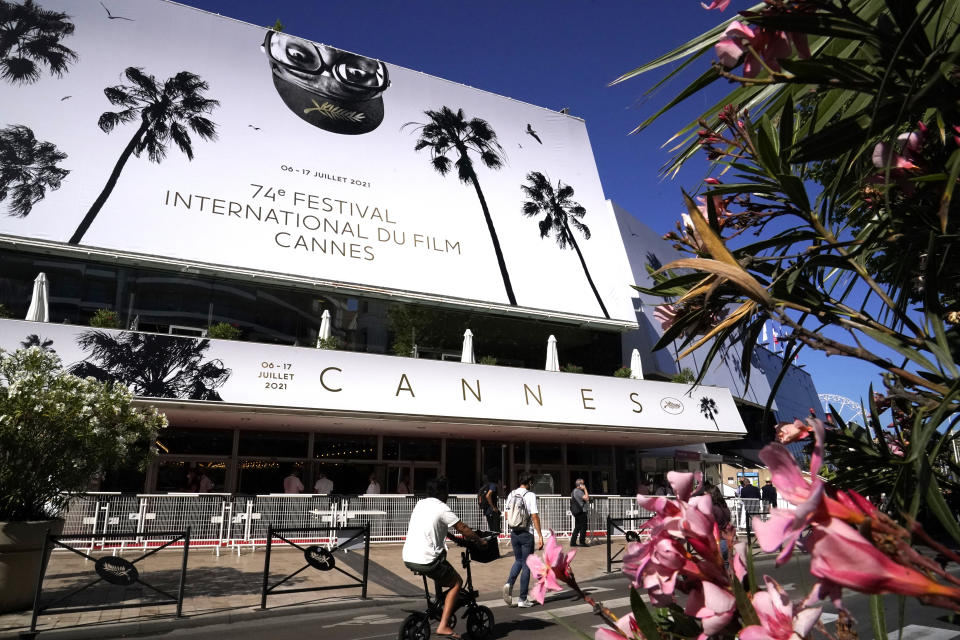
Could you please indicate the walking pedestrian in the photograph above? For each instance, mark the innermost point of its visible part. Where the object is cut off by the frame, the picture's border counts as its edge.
(579, 503)
(769, 495)
(487, 497)
(523, 520)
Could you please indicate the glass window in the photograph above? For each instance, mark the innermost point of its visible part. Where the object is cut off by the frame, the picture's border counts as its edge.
(273, 444)
(419, 449)
(328, 446)
(194, 441)
(544, 453)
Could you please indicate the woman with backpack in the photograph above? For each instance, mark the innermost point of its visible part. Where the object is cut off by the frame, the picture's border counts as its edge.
(523, 520)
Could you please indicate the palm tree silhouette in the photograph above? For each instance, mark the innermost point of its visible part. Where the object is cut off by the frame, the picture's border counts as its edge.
(29, 38)
(33, 340)
(28, 167)
(560, 213)
(449, 131)
(166, 114)
(153, 365)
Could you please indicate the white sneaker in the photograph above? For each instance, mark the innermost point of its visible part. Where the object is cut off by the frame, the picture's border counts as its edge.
(507, 595)
(526, 603)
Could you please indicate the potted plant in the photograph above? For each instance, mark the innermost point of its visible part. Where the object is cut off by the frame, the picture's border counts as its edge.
(56, 432)
(489, 360)
(224, 331)
(105, 319)
(572, 368)
(332, 343)
(622, 372)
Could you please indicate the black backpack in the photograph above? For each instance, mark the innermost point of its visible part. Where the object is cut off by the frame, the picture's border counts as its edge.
(482, 497)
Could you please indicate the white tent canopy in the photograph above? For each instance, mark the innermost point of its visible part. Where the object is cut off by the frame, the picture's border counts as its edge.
(636, 368)
(553, 362)
(39, 310)
(467, 354)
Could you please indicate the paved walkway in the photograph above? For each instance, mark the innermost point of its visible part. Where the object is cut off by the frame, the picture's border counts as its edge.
(226, 588)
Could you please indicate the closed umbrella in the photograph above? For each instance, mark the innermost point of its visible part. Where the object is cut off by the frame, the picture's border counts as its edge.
(636, 369)
(324, 327)
(467, 354)
(553, 362)
(39, 310)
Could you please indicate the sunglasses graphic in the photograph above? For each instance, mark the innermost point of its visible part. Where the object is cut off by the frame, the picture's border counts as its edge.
(305, 57)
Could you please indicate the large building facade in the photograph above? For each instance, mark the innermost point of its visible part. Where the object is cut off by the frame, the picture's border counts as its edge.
(289, 179)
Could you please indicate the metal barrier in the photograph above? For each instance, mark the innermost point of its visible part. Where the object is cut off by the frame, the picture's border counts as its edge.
(632, 534)
(236, 522)
(321, 558)
(113, 570)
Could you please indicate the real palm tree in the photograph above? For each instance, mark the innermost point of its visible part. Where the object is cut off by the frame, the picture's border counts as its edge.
(560, 214)
(157, 366)
(449, 132)
(28, 167)
(29, 39)
(167, 112)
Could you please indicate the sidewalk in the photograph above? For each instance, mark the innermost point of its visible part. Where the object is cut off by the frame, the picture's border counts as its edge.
(227, 588)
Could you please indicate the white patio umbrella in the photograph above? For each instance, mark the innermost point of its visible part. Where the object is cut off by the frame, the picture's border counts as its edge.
(636, 369)
(324, 327)
(553, 362)
(39, 310)
(467, 354)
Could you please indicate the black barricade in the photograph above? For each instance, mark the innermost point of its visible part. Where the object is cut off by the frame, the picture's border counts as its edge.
(617, 524)
(113, 570)
(321, 558)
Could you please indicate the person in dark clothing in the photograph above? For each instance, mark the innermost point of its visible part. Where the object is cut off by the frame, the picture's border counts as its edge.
(488, 503)
(769, 495)
(579, 503)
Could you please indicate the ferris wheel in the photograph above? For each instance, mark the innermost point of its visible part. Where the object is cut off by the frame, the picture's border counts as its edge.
(850, 410)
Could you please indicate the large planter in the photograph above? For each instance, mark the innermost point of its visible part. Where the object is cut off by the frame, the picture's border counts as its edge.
(21, 547)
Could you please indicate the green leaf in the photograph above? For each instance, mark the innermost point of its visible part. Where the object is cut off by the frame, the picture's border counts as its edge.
(570, 627)
(907, 351)
(938, 505)
(877, 618)
(643, 616)
(786, 132)
(953, 166)
(765, 139)
(748, 615)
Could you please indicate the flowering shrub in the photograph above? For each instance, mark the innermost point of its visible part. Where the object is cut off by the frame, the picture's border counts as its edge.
(622, 372)
(105, 319)
(333, 342)
(224, 331)
(57, 431)
(683, 565)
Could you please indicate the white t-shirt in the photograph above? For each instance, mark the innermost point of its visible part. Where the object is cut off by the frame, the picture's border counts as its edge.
(373, 488)
(323, 485)
(292, 484)
(427, 532)
(206, 484)
(529, 498)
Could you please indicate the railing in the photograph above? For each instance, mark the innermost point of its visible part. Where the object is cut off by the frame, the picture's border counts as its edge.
(237, 521)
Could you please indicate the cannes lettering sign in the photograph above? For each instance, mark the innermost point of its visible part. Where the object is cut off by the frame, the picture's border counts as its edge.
(279, 376)
(192, 137)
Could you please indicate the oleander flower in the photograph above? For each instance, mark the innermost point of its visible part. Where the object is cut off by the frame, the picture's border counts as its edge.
(777, 618)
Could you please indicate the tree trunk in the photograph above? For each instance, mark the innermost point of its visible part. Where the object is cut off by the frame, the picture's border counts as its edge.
(583, 262)
(111, 183)
(496, 242)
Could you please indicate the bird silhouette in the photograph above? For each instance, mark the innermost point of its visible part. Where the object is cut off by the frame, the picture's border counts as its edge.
(253, 127)
(113, 17)
(65, 98)
(533, 133)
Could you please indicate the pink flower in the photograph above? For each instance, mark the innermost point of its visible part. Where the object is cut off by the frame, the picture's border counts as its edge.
(777, 620)
(628, 628)
(555, 564)
(716, 4)
(713, 605)
(666, 315)
(842, 556)
(790, 431)
(768, 44)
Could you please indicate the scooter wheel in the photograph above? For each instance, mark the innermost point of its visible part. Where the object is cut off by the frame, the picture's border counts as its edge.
(480, 623)
(416, 626)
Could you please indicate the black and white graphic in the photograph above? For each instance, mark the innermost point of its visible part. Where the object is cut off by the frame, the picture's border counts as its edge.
(329, 88)
(149, 128)
(152, 365)
(116, 570)
(319, 558)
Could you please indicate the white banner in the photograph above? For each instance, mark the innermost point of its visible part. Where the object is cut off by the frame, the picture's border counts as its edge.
(307, 161)
(156, 365)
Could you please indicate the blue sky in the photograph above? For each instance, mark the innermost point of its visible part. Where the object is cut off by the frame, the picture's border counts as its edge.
(552, 54)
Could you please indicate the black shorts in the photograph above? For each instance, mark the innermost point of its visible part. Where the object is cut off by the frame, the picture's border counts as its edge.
(439, 570)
